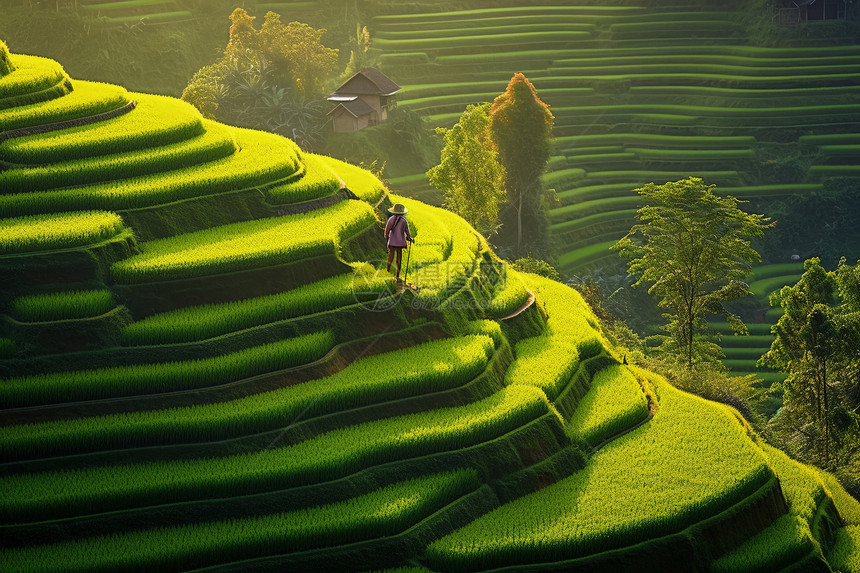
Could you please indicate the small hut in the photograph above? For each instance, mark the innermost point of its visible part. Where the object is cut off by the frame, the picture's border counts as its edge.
(364, 99)
(790, 12)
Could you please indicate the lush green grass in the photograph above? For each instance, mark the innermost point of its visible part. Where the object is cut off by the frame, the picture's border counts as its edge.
(62, 305)
(207, 321)
(430, 367)
(157, 120)
(627, 493)
(57, 231)
(125, 4)
(830, 139)
(592, 192)
(755, 328)
(584, 209)
(245, 245)
(515, 13)
(845, 555)
(458, 261)
(784, 542)
(360, 181)
(753, 340)
(263, 158)
(788, 539)
(752, 354)
(386, 511)
(87, 98)
(6, 65)
(509, 295)
(763, 287)
(158, 377)
(31, 74)
(7, 348)
(454, 33)
(570, 334)
(705, 155)
(318, 180)
(614, 403)
(588, 254)
(654, 140)
(215, 143)
(322, 458)
(173, 16)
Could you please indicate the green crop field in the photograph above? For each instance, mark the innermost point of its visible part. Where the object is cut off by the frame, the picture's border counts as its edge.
(205, 364)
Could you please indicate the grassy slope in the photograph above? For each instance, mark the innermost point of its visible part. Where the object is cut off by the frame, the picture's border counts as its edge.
(639, 95)
(400, 432)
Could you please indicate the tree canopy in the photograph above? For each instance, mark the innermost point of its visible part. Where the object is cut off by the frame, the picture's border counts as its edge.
(270, 79)
(817, 344)
(469, 173)
(521, 131)
(693, 248)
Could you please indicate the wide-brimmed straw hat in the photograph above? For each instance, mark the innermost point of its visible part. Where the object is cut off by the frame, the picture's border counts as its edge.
(398, 209)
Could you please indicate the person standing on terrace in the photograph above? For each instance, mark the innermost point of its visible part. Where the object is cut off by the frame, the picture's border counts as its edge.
(397, 234)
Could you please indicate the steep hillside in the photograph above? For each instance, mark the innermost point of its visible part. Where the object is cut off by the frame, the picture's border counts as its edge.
(203, 367)
(646, 92)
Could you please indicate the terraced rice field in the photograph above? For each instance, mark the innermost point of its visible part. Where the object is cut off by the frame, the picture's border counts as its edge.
(206, 365)
(639, 94)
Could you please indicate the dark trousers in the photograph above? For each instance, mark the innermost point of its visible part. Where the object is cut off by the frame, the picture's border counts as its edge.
(391, 251)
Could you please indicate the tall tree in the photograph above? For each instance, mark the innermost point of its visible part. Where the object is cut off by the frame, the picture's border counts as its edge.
(521, 131)
(817, 344)
(270, 79)
(298, 49)
(694, 248)
(469, 173)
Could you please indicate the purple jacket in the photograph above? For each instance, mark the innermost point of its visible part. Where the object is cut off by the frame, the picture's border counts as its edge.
(397, 231)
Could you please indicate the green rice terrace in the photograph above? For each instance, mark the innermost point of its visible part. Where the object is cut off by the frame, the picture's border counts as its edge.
(641, 92)
(202, 368)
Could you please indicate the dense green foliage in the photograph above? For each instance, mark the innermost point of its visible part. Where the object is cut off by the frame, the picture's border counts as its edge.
(469, 174)
(520, 121)
(816, 342)
(268, 79)
(692, 248)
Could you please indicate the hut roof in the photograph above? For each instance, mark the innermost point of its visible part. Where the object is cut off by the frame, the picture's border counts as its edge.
(368, 81)
(355, 107)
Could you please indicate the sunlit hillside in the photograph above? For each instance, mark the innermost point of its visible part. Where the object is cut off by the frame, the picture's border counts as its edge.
(203, 365)
(648, 92)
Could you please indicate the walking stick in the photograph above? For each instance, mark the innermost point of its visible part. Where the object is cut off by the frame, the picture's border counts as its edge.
(408, 255)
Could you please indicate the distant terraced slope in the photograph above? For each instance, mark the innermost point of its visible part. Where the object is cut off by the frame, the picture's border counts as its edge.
(201, 366)
(639, 94)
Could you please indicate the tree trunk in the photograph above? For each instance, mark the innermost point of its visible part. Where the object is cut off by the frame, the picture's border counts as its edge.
(826, 420)
(520, 223)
